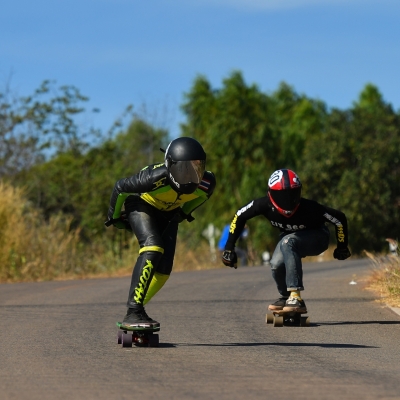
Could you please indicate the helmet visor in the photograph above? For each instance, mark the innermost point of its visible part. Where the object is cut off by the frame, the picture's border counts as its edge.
(185, 172)
(287, 199)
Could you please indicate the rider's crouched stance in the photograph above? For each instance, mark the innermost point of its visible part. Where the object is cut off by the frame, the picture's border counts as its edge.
(303, 233)
(156, 200)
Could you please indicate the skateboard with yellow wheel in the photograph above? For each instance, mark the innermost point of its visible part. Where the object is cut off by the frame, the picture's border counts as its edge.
(287, 318)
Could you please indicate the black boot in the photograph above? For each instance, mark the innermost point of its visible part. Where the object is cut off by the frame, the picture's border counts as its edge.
(137, 317)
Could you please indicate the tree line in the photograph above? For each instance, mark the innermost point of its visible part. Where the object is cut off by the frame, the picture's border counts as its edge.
(347, 159)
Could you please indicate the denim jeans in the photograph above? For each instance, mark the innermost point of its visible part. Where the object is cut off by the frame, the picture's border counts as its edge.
(286, 265)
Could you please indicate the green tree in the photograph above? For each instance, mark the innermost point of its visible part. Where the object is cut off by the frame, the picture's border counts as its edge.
(80, 183)
(233, 126)
(296, 119)
(247, 135)
(354, 165)
(44, 123)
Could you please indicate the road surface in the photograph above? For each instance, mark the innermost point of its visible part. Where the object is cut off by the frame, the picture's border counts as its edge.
(58, 339)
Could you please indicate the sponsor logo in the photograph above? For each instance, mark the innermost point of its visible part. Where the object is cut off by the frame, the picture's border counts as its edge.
(275, 177)
(340, 233)
(159, 183)
(174, 181)
(167, 204)
(233, 224)
(339, 227)
(288, 227)
(245, 208)
(296, 181)
(332, 219)
(143, 282)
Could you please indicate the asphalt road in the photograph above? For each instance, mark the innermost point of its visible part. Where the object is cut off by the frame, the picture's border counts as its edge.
(58, 339)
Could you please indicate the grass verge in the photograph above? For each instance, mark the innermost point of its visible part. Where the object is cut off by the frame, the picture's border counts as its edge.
(385, 278)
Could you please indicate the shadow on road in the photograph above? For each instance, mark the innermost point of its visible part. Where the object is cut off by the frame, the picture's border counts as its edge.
(327, 345)
(357, 323)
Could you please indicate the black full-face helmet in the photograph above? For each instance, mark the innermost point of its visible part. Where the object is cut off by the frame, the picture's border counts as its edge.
(185, 160)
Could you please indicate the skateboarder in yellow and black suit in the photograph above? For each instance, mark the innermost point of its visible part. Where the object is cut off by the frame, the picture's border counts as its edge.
(156, 200)
(303, 233)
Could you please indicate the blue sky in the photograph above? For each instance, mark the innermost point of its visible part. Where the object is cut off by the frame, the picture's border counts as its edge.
(147, 53)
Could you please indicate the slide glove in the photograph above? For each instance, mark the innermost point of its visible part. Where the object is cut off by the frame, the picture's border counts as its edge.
(180, 216)
(229, 258)
(120, 223)
(341, 254)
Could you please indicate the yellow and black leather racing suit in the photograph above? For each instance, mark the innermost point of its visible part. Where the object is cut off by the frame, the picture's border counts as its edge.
(154, 210)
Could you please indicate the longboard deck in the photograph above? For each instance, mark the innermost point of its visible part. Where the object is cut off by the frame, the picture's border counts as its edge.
(137, 328)
(283, 313)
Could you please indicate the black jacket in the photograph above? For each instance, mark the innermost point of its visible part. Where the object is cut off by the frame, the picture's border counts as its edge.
(309, 215)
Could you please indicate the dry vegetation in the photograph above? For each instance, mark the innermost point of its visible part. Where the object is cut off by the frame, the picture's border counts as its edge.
(385, 278)
(32, 249)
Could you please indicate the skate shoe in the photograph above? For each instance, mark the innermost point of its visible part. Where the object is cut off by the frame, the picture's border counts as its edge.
(137, 317)
(295, 304)
(278, 304)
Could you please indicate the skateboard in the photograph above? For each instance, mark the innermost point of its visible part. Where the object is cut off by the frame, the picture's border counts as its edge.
(287, 318)
(138, 336)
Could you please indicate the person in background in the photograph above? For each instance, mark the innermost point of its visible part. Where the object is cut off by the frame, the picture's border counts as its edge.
(156, 200)
(303, 232)
(393, 246)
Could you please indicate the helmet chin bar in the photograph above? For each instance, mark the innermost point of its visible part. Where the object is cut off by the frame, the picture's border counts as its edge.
(280, 210)
(175, 183)
(187, 188)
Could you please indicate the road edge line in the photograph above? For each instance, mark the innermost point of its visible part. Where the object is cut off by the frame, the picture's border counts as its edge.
(395, 309)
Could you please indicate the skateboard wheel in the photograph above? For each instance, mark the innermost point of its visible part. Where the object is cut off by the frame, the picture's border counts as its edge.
(119, 336)
(278, 321)
(305, 321)
(269, 318)
(126, 340)
(154, 341)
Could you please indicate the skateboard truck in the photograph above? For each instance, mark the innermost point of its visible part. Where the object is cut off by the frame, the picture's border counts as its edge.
(138, 336)
(287, 318)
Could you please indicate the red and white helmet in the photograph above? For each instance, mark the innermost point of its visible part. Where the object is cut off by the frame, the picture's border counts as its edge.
(284, 191)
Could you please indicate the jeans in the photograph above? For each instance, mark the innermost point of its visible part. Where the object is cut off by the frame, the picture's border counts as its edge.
(286, 265)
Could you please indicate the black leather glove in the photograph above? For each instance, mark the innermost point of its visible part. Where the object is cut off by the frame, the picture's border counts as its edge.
(109, 222)
(229, 258)
(120, 223)
(180, 216)
(341, 254)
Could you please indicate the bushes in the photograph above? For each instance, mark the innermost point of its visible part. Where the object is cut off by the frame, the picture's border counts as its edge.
(34, 249)
(385, 278)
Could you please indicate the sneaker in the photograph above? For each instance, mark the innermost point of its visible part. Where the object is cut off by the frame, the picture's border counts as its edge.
(137, 317)
(295, 304)
(278, 305)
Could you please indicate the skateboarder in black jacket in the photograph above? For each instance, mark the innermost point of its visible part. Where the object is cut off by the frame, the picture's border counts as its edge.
(303, 233)
(156, 200)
